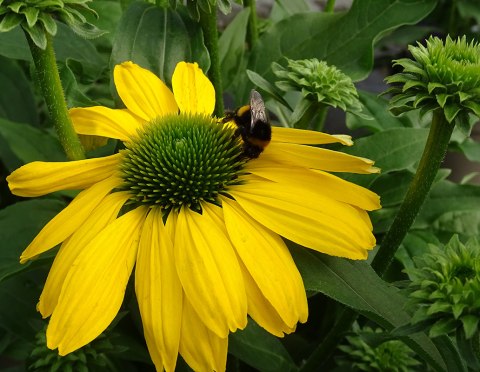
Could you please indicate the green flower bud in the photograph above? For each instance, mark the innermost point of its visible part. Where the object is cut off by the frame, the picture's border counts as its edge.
(441, 76)
(318, 82)
(364, 353)
(445, 288)
(38, 18)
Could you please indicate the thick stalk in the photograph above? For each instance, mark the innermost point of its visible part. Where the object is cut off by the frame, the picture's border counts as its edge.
(51, 86)
(252, 30)
(208, 22)
(432, 157)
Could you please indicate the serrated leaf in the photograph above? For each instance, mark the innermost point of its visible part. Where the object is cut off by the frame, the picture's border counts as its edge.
(470, 325)
(442, 327)
(260, 349)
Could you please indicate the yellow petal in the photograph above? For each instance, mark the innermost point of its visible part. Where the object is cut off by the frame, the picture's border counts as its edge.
(209, 271)
(308, 137)
(317, 182)
(40, 178)
(95, 285)
(104, 214)
(143, 92)
(106, 122)
(262, 311)
(159, 292)
(311, 220)
(318, 158)
(202, 349)
(193, 91)
(70, 219)
(268, 261)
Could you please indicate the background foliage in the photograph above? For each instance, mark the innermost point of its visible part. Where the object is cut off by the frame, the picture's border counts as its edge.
(360, 40)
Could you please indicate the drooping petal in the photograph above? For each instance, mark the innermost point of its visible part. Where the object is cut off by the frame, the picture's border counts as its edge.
(70, 219)
(193, 91)
(317, 158)
(40, 178)
(104, 214)
(159, 292)
(262, 311)
(95, 285)
(268, 261)
(209, 272)
(201, 348)
(308, 137)
(314, 221)
(106, 122)
(317, 182)
(143, 92)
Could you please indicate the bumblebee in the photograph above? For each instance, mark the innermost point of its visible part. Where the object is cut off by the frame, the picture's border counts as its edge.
(252, 124)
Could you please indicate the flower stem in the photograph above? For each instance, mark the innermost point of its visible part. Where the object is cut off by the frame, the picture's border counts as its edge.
(330, 6)
(319, 121)
(252, 31)
(432, 157)
(51, 86)
(208, 21)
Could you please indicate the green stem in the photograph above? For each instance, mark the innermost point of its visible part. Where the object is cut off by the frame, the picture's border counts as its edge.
(432, 157)
(208, 21)
(319, 121)
(51, 86)
(252, 30)
(330, 6)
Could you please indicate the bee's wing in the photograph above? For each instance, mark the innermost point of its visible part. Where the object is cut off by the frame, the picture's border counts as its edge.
(257, 108)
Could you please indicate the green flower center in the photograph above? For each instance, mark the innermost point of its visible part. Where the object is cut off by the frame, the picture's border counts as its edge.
(181, 160)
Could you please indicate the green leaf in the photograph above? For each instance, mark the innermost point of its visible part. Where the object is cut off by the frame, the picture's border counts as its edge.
(37, 35)
(67, 45)
(154, 38)
(356, 285)
(29, 143)
(10, 21)
(342, 39)
(470, 149)
(267, 87)
(454, 361)
(445, 197)
(231, 47)
(377, 108)
(470, 325)
(392, 150)
(442, 327)
(19, 104)
(18, 298)
(260, 349)
(392, 187)
(19, 223)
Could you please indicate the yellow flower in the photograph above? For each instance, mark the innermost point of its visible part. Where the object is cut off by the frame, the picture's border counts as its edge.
(201, 225)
